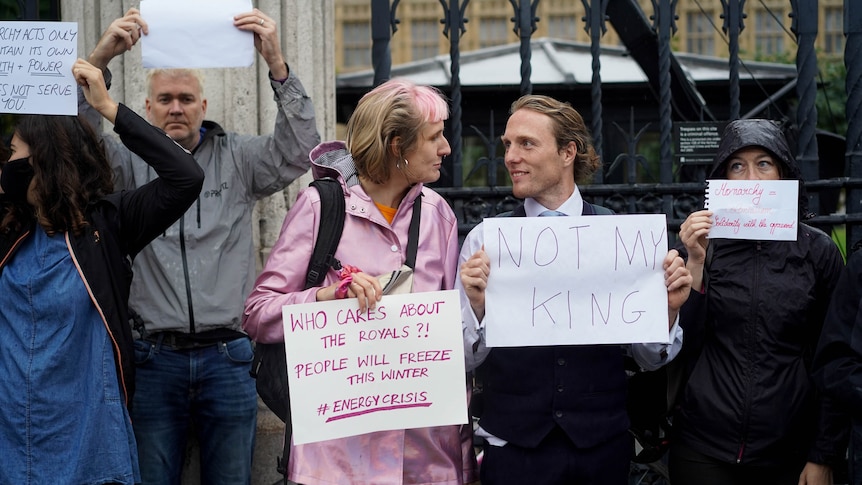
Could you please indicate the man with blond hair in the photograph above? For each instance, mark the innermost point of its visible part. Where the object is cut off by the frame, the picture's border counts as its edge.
(553, 414)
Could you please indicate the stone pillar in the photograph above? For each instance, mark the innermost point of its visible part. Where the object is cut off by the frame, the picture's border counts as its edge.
(307, 39)
(240, 100)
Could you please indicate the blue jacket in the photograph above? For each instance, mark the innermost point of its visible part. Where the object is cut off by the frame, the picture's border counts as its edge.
(121, 225)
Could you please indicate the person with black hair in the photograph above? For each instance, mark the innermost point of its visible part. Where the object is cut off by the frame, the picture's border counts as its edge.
(66, 244)
(749, 412)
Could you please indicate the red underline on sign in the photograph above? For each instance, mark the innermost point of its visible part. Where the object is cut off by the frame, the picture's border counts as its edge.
(374, 410)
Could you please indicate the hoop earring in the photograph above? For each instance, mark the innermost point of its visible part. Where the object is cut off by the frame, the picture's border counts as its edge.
(406, 163)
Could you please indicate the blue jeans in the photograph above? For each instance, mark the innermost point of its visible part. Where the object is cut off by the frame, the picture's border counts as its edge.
(208, 388)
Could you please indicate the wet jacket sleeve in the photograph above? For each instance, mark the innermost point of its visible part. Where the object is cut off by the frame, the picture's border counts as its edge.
(833, 423)
(149, 210)
(269, 163)
(837, 368)
(838, 361)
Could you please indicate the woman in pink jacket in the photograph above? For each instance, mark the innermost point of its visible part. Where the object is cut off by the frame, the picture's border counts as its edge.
(395, 144)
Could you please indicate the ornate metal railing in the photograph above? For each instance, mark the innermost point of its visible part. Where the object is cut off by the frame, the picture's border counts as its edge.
(674, 194)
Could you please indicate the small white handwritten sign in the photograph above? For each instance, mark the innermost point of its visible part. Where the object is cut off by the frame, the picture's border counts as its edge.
(753, 209)
(36, 67)
(398, 366)
(576, 280)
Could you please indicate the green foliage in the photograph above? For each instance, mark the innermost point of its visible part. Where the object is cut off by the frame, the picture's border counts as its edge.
(832, 96)
(475, 152)
(784, 57)
(9, 10)
(831, 93)
(839, 235)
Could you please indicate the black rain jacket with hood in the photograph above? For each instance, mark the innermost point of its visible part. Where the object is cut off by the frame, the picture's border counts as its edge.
(750, 398)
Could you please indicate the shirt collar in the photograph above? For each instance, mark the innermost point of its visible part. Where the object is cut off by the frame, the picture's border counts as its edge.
(573, 206)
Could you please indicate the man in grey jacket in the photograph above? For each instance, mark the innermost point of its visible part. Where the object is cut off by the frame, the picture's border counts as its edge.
(192, 358)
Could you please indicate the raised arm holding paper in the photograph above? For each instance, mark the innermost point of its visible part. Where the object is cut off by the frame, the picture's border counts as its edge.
(190, 283)
(66, 239)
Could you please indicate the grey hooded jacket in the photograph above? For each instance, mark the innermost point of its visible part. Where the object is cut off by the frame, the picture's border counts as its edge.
(195, 276)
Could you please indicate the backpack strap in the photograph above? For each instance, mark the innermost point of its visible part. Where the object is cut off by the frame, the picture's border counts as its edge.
(329, 234)
(322, 258)
(413, 232)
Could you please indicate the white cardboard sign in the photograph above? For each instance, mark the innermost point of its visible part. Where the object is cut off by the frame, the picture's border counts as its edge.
(398, 366)
(195, 34)
(753, 209)
(36, 61)
(576, 280)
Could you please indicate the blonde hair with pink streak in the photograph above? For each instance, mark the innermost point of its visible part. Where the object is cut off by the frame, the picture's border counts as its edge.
(387, 123)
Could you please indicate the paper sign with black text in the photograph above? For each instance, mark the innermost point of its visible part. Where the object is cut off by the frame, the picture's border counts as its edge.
(398, 366)
(576, 280)
(36, 61)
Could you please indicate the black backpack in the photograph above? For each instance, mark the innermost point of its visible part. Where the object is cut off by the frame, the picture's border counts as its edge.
(269, 366)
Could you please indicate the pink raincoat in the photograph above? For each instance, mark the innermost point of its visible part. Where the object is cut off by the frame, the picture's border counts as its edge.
(437, 455)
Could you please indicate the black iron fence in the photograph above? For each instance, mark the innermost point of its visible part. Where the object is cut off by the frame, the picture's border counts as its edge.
(673, 188)
(834, 184)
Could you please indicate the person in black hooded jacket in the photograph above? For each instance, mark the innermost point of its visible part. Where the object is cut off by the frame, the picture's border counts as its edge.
(749, 412)
(838, 361)
(66, 244)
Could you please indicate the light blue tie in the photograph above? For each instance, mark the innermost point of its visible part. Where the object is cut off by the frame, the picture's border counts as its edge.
(551, 214)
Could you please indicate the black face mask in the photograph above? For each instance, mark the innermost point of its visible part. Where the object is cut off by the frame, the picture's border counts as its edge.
(15, 179)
